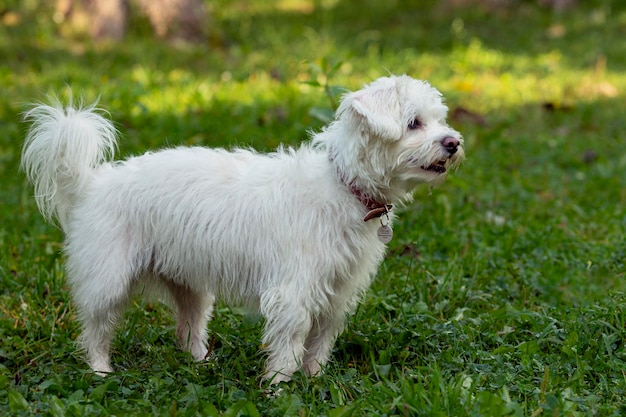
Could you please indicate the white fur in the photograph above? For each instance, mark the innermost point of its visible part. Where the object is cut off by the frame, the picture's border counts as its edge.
(279, 233)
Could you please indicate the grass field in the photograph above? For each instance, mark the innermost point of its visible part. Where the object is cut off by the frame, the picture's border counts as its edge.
(504, 290)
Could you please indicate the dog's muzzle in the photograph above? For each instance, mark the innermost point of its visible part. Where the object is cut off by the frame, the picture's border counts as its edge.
(451, 145)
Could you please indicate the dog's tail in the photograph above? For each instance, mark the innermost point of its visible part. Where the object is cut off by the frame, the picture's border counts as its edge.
(63, 148)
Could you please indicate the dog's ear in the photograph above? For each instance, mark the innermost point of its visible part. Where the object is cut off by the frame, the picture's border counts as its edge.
(380, 110)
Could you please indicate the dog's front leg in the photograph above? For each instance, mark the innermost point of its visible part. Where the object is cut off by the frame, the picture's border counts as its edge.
(320, 341)
(288, 322)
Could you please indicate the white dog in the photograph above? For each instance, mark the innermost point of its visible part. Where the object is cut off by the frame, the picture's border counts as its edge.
(296, 235)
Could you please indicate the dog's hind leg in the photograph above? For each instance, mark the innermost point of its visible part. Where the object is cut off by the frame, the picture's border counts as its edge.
(101, 282)
(95, 339)
(100, 302)
(194, 312)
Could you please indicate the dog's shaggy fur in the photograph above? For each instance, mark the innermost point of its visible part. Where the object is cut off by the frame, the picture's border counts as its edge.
(282, 233)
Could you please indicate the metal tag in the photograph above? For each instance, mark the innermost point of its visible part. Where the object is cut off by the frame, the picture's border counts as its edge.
(385, 234)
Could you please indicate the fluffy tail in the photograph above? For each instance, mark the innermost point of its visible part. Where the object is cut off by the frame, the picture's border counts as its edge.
(62, 149)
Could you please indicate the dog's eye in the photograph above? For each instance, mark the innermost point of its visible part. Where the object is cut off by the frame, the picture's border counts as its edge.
(415, 124)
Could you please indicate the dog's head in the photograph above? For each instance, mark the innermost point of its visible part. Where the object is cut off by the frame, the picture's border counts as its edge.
(395, 136)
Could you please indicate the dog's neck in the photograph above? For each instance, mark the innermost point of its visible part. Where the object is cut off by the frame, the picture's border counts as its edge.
(375, 208)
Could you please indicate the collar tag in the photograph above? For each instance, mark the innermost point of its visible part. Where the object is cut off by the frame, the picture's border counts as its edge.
(384, 233)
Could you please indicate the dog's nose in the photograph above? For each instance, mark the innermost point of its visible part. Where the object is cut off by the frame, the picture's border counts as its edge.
(451, 144)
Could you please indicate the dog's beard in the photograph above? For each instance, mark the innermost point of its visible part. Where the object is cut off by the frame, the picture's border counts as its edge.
(432, 168)
(439, 167)
(443, 165)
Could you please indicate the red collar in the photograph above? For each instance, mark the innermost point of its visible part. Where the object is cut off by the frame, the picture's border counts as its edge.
(376, 208)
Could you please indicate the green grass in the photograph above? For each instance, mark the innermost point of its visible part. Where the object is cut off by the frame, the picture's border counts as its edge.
(504, 290)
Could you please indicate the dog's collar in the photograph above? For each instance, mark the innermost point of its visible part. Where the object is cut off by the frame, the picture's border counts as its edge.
(375, 208)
